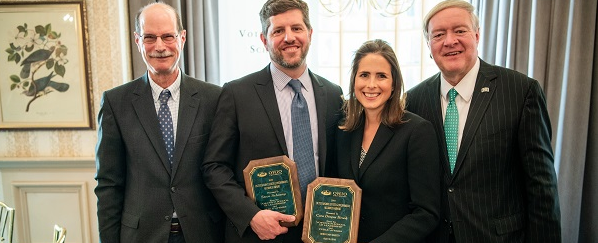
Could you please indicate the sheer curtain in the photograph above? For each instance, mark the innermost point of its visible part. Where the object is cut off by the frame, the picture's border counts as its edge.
(554, 41)
(200, 56)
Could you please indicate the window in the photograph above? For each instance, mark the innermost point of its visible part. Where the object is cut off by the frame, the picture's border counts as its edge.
(334, 40)
(339, 36)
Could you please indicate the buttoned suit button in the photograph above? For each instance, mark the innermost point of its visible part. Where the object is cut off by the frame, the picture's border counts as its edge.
(451, 190)
(166, 218)
(173, 189)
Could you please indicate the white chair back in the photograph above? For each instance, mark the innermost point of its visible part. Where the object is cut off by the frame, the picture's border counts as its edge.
(7, 220)
(59, 234)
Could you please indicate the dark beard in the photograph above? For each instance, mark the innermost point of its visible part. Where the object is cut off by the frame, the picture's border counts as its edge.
(279, 59)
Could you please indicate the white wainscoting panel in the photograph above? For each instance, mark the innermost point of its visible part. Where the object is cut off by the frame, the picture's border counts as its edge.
(47, 192)
(44, 204)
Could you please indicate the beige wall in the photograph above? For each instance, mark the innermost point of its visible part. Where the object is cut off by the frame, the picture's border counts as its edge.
(47, 175)
(110, 66)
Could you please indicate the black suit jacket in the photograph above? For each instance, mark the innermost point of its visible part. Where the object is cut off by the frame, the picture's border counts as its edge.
(399, 178)
(503, 188)
(137, 190)
(247, 127)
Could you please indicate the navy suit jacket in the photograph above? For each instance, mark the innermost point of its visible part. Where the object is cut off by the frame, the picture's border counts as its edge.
(503, 188)
(247, 126)
(137, 189)
(399, 178)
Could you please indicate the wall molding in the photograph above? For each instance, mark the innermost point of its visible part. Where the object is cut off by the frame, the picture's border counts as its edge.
(47, 162)
(23, 189)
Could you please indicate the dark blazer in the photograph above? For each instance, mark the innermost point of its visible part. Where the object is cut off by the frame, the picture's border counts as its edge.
(399, 178)
(247, 127)
(137, 190)
(503, 188)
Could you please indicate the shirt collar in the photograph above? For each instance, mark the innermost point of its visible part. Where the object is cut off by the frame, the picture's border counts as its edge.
(465, 87)
(174, 88)
(281, 79)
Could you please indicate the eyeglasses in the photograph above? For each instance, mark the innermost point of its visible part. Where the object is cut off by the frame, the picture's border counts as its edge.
(151, 39)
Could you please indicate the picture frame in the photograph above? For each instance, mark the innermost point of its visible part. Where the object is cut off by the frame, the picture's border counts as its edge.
(45, 73)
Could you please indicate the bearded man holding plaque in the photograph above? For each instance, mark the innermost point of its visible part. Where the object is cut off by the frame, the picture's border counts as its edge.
(284, 109)
(389, 152)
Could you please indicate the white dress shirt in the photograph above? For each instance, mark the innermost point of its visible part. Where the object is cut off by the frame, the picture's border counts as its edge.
(284, 97)
(465, 89)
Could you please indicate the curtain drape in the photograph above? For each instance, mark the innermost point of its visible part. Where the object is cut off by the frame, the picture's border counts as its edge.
(137, 63)
(554, 41)
(200, 55)
(589, 210)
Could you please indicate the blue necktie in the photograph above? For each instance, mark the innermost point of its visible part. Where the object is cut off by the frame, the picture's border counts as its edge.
(166, 124)
(451, 128)
(303, 151)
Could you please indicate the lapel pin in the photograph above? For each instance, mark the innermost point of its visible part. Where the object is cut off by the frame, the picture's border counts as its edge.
(485, 90)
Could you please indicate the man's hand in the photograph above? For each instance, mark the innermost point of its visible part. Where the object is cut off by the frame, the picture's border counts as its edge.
(266, 224)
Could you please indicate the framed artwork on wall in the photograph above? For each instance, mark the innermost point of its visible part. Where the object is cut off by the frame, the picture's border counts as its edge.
(45, 74)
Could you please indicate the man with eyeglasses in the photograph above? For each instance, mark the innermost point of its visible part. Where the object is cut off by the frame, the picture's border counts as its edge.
(151, 141)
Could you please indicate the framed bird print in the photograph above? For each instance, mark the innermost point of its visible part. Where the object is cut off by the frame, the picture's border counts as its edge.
(44, 68)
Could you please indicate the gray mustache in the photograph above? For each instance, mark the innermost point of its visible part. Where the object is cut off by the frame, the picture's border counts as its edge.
(161, 54)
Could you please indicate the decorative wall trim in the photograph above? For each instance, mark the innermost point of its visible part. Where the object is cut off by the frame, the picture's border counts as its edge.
(47, 163)
(22, 189)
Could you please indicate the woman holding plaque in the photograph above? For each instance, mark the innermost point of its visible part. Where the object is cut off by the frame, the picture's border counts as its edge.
(391, 153)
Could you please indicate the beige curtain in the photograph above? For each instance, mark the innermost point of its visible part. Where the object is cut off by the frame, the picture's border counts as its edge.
(554, 41)
(200, 56)
(137, 63)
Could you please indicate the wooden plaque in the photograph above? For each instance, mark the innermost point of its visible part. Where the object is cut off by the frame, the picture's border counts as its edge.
(332, 211)
(272, 183)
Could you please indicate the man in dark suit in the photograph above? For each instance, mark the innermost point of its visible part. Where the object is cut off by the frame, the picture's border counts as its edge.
(253, 121)
(151, 145)
(499, 182)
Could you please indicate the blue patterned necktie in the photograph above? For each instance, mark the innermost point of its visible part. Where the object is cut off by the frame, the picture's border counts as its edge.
(303, 151)
(166, 126)
(451, 128)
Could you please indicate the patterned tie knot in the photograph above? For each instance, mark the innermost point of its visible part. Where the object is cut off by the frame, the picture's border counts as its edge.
(452, 94)
(164, 96)
(296, 85)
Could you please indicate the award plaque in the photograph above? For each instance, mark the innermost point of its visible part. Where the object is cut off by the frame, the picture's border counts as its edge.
(332, 211)
(272, 183)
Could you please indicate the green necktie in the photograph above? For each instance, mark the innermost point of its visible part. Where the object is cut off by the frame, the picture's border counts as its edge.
(451, 128)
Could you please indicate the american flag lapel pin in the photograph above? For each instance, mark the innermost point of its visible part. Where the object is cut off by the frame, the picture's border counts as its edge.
(485, 90)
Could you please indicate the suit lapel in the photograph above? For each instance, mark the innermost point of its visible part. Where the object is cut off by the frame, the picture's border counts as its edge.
(479, 104)
(321, 101)
(189, 103)
(355, 152)
(264, 87)
(436, 118)
(382, 137)
(146, 112)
